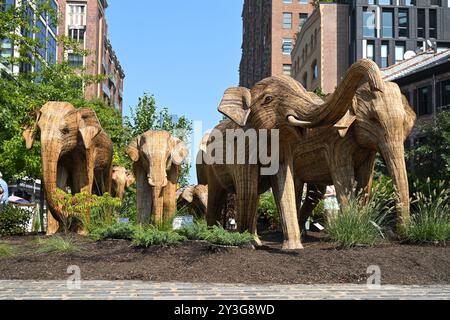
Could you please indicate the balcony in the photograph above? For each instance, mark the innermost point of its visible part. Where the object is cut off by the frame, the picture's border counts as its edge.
(106, 90)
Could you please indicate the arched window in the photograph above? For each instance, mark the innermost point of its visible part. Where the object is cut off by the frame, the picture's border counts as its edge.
(311, 42)
(315, 70)
(305, 80)
(316, 33)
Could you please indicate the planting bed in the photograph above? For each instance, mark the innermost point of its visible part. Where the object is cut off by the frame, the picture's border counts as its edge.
(319, 263)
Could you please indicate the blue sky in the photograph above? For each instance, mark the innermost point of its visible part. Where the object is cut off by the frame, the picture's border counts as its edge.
(186, 53)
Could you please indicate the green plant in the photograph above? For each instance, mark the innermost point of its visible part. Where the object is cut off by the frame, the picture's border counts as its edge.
(361, 223)
(430, 220)
(57, 244)
(268, 209)
(6, 250)
(151, 236)
(104, 211)
(13, 220)
(124, 231)
(219, 236)
(196, 231)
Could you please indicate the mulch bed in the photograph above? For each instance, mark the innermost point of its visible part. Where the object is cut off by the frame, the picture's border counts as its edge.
(318, 263)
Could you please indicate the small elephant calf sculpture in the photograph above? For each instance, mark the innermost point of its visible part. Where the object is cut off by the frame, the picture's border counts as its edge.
(121, 180)
(157, 156)
(194, 198)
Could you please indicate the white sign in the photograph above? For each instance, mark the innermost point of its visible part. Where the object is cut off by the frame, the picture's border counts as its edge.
(180, 221)
(319, 226)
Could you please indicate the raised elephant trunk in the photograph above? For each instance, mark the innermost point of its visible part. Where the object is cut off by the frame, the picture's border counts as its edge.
(337, 104)
(393, 153)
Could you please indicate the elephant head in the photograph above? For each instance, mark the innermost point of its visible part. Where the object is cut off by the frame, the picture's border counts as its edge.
(197, 196)
(122, 179)
(62, 130)
(382, 121)
(281, 101)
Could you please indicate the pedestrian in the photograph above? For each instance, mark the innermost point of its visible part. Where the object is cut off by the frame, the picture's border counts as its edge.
(4, 186)
(331, 204)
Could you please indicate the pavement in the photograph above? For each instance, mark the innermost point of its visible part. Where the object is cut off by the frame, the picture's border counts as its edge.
(138, 290)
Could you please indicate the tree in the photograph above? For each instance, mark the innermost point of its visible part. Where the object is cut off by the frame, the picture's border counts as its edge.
(146, 116)
(431, 154)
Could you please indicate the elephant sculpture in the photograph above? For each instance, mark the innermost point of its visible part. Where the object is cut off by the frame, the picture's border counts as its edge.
(280, 103)
(376, 122)
(75, 151)
(193, 198)
(121, 180)
(157, 157)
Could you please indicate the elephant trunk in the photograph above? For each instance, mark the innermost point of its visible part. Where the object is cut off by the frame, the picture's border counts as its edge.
(157, 205)
(337, 104)
(50, 174)
(393, 153)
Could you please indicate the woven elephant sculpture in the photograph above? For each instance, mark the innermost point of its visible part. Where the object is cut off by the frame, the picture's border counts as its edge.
(76, 153)
(378, 122)
(121, 180)
(157, 157)
(274, 103)
(193, 199)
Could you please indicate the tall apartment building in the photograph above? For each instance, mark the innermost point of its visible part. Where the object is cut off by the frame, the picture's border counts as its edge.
(46, 35)
(269, 29)
(85, 22)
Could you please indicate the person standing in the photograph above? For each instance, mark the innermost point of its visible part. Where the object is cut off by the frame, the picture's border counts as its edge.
(4, 186)
(331, 203)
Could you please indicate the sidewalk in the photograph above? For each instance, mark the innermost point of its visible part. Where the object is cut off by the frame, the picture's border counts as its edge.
(136, 290)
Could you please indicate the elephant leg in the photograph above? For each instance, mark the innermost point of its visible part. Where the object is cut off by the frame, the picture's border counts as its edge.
(343, 176)
(299, 185)
(108, 179)
(246, 185)
(143, 196)
(170, 205)
(364, 177)
(284, 192)
(314, 195)
(61, 181)
(217, 197)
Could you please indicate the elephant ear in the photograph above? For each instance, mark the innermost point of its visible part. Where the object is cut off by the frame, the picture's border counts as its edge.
(179, 151)
(188, 194)
(347, 121)
(235, 105)
(133, 151)
(410, 117)
(30, 132)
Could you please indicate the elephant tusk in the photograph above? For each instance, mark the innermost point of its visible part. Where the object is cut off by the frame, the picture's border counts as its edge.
(340, 126)
(298, 123)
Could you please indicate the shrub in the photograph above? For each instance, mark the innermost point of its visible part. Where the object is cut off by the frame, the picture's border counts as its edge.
(359, 223)
(151, 236)
(196, 231)
(13, 220)
(268, 209)
(219, 236)
(6, 250)
(57, 244)
(430, 220)
(124, 231)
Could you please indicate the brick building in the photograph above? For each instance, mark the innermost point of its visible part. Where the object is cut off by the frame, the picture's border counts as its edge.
(320, 55)
(85, 22)
(269, 29)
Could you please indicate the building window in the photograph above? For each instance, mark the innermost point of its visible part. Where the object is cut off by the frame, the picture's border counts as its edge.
(433, 23)
(445, 94)
(287, 69)
(287, 1)
(305, 80)
(384, 54)
(370, 50)
(368, 23)
(75, 60)
(410, 2)
(442, 46)
(387, 24)
(424, 100)
(77, 15)
(51, 50)
(302, 19)
(303, 1)
(287, 20)
(77, 34)
(6, 52)
(403, 23)
(315, 70)
(399, 51)
(384, 2)
(421, 23)
(437, 3)
(287, 46)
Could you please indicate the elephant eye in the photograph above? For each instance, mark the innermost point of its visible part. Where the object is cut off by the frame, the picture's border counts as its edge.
(268, 99)
(65, 130)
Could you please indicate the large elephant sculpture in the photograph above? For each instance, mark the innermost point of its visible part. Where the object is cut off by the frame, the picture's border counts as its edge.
(157, 157)
(121, 180)
(75, 152)
(377, 122)
(193, 198)
(280, 103)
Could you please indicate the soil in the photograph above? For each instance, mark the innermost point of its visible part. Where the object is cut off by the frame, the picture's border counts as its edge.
(319, 263)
